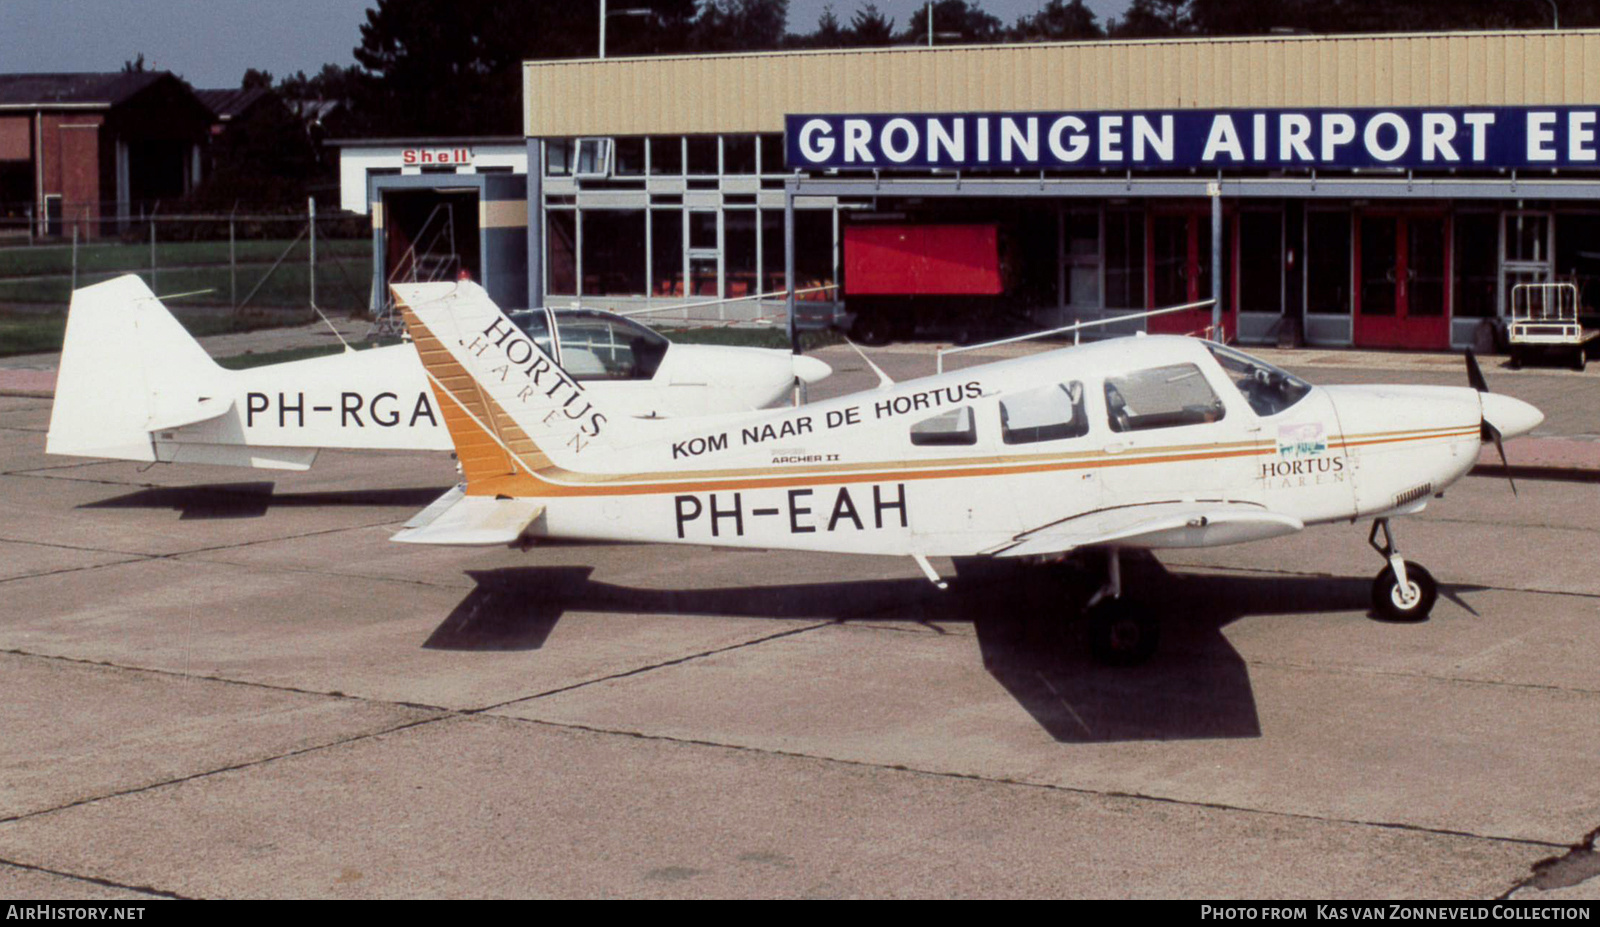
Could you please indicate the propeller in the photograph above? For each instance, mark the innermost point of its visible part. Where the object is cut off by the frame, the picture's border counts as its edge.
(1486, 431)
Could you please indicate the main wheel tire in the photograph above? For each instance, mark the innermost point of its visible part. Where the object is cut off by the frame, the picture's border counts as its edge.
(1581, 360)
(1121, 635)
(1386, 600)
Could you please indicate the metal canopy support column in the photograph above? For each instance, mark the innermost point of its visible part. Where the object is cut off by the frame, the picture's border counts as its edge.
(788, 263)
(536, 225)
(1215, 190)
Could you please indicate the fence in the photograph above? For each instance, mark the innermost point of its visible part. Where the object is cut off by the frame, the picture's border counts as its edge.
(242, 261)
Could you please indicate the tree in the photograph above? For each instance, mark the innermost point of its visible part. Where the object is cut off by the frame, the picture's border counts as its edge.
(1058, 20)
(740, 25)
(955, 22)
(1155, 18)
(136, 66)
(254, 80)
(868, 28)
(829, 33)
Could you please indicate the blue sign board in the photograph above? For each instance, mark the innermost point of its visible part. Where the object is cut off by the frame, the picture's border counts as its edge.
(1421, 138)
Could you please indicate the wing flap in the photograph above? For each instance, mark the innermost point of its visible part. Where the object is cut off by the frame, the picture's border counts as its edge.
(458, 519)
(1154, 525)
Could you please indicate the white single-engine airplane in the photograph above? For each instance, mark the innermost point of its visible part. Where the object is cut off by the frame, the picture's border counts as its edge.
(134, 385)
(1158, 442)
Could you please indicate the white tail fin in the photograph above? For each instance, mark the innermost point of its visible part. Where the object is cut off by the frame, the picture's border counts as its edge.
(128, 368)
(511, 410)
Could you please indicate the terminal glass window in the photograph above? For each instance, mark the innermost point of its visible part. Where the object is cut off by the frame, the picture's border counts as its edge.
(813, 253)
(1260, 262)
(666, 156)
(1527, 237)
(604, 346)
(1477, 264)
(1161, 397)
(1048, 413)
(1082, 246)
(1266, 388)
(558, 157)
(561, 234)
(772, 153)
(613, 252)
(955, 427)
(630, 157)
(703, 155)
(1578, 258)
(666, 252)
(738, 154)
(1328, 262)
(771, 250)
(1124, 259)
(739, 253)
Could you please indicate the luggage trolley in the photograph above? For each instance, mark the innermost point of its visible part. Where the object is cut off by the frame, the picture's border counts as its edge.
(1544, 319)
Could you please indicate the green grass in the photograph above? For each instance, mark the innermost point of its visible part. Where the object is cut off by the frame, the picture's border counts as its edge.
(38, 333)
(287, 287)
(135, 257)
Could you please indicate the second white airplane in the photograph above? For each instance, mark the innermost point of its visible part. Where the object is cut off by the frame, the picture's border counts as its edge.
(1159, 442)
(134, 385)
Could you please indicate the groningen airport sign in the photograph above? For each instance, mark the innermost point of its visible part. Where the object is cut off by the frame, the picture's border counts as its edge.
(1427, 138)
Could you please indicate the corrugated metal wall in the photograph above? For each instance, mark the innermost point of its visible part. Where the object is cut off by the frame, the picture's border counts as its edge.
(752, 93)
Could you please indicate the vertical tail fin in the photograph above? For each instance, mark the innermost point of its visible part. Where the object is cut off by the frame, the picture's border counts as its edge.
(515, 416)
(128, 368)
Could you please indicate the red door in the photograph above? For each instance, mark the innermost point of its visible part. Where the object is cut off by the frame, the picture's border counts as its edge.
(1403, 290)
(1179, 249)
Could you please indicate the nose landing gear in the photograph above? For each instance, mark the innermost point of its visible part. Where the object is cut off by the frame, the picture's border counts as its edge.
(1403, 590)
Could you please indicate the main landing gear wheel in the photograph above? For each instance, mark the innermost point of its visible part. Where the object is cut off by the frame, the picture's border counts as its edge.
(1119, 633)
(1413, 603)
(1403, 590)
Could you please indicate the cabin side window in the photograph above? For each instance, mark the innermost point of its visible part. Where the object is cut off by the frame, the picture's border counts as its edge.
(956, 427)
(1048, 413)
(1161, 397)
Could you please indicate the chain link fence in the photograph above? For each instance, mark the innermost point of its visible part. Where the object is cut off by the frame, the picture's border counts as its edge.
(243, 263)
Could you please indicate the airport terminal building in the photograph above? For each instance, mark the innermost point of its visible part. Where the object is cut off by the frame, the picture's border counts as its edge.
(1374, 190)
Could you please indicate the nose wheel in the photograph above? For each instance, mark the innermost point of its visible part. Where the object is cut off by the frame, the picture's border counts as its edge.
(1119, 633)
(1402, 590)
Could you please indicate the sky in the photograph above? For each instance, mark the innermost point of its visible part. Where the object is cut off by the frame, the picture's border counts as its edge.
(210, 43)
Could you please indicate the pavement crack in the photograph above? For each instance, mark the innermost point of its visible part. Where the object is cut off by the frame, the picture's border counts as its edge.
(1044, 786)
(1428, 677)
(234, 767)
(677, 661)
(95, 880)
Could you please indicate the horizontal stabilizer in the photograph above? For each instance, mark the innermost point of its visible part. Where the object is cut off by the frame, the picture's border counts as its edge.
(456, 518)
(1155, 525)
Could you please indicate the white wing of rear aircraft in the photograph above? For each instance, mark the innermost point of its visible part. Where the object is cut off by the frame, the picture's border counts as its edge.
(1155, 525)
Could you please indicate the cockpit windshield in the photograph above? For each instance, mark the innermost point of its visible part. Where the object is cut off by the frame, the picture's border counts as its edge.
(1268, 389)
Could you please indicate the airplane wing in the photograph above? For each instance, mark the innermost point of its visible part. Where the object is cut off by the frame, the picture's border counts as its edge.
(471, 521)
(1153, 525)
